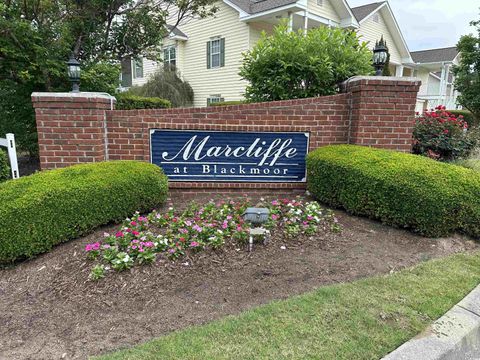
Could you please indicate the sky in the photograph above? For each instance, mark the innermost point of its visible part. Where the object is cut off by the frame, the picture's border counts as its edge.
(429, 24)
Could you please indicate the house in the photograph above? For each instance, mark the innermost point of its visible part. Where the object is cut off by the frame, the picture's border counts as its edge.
(434, 68)
(208, 52)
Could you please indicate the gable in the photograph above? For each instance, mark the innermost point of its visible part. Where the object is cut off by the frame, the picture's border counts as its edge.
(382, 22)
(323, 8)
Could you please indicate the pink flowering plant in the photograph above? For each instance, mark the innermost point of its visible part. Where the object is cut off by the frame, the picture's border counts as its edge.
(441, 135)
(173, 234)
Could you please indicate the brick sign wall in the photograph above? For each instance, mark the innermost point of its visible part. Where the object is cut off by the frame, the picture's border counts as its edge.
(82, 127)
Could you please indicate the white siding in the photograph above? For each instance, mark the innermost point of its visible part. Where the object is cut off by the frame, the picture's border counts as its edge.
(256, 29)
(149, 67)
(224, 80)
(371, 31)
(326, 10)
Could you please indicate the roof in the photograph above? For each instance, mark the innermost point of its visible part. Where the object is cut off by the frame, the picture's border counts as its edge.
(175, 31)
(435, 55)
(257, 6)
(361, 12)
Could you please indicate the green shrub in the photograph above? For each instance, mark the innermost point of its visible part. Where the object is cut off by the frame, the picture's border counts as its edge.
(50, 207)
(231, 102)
(4, 166)
(471, 120)
(166, 84)
(473, 164)
(293, 65)
(126, 101)
(440, 135)
(427, 196)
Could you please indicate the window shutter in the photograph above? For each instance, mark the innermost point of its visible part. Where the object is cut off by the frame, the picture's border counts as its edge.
(208, 55)
(222, 52)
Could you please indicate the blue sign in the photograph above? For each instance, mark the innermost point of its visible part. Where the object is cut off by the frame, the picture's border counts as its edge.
(191, 155)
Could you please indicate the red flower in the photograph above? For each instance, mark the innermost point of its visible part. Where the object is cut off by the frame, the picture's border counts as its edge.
(445, 131)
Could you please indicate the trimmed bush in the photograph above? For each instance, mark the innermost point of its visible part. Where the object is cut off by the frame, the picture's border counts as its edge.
(471, 120)
(126, 101)
(427, 196)
(51, 207)
(4, 166)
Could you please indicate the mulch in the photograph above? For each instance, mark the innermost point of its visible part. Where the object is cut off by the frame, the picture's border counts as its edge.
(50, 310)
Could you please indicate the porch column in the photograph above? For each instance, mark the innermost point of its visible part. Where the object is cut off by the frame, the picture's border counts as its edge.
(305, 25)
(290, 22)
(399, 70)
(444, 81)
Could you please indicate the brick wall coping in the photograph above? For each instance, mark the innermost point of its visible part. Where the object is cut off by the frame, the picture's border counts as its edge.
(71, 96)
(382, 80)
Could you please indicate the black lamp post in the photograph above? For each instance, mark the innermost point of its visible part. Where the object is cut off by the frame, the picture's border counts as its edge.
(380, 54)
(74, 73)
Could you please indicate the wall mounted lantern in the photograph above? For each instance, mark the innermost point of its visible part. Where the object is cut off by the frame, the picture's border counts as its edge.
(74, 73)
(380, 55)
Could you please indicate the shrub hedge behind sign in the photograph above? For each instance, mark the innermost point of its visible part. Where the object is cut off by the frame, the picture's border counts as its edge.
(50, 207)
(427, 196)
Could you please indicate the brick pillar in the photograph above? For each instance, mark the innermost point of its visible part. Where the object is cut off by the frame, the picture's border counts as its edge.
(71, 127)
(382, 111)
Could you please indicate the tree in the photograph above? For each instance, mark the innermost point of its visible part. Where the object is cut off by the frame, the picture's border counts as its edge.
(38, 36)
(166, 84)
(467, 73)
(291, 65)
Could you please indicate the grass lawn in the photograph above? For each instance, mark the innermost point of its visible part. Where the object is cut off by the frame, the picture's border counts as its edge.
(472, 163)
(365, 319)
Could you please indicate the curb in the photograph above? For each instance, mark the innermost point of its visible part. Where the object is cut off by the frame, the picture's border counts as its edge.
(455, 336)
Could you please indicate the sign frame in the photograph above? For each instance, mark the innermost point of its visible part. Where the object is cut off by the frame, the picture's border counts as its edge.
(217, 180)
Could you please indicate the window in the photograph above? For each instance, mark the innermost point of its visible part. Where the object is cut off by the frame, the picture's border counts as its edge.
(170, 56)
(137, 68)
(216, 53)
(320, 2)
(376, 18)
(212, 99)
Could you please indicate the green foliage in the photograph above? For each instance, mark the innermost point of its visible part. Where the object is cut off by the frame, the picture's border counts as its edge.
(467, 73)
(50, 207)
(4, 166)
(38, 37)
(166, 84)
(471, 120)
(291, 65)
(100, 77)
(440, 135)
(473, 164)
(17, 115)
(427, 196)
(126, 101)
(227, 103)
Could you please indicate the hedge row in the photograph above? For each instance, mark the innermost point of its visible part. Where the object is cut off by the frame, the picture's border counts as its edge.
(50, 207)
(4, 166)
(126, 101)
(468, 117)
(427, 196)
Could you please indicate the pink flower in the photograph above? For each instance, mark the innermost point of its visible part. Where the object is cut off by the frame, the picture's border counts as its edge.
(275, 203)
(142, 219)
(309, 217)
(229, 217)
(133, 223)
(194, 244)
(239, 228)
(274, 217)
(445, 131)
(224, 225)
(197, 228)
(141, 250)
(119, 234)
(134, 232)
(106, 246)
(171, 251)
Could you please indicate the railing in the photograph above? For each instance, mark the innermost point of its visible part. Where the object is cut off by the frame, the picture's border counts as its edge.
(9, 143)
(432, 101)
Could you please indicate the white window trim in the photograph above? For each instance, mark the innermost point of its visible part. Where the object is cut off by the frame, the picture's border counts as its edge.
(169, 61)
(216, 98)
(134, 69)
(219, 53)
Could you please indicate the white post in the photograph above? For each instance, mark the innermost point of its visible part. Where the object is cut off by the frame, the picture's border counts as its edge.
(305, 24)
(290, 22)
(12, 154)
(399, 71)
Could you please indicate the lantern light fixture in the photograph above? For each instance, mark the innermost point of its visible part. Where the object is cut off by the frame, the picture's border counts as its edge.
(380, 55)
(73, 67)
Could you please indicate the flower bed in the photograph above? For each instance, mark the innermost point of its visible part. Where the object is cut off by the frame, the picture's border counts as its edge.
(175, 234)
